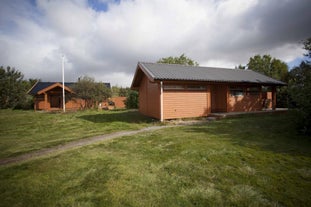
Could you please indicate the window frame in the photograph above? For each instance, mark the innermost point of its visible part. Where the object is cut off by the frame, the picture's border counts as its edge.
(196, 87)
(236, 91)
(252, 91)
(174, 87)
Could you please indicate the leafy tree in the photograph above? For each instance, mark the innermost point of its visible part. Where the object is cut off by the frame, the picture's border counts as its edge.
(300, 91)
(13, 89)
(131, 101)
(307, 46)
(115, 91)
(91, 92)
(242, 67)
(269, 66)
(181, 60)
(274, 68)
(119, 91)
(124, 91)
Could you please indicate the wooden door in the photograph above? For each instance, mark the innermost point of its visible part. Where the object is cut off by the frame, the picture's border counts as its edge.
(219, 98)
(55, 101)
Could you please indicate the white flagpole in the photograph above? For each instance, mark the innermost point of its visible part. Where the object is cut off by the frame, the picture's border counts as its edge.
(63, 74)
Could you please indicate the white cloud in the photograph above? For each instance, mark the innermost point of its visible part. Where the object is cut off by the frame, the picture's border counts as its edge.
(108, 44)
(67, 18)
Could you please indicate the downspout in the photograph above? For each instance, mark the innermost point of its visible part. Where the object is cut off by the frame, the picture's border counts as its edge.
(45, 101)
(161, 101)
(273, 98)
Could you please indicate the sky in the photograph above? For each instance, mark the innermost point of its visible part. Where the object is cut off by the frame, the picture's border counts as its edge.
(105, 39)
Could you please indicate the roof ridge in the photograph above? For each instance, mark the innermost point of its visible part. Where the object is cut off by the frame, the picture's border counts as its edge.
(193, 66)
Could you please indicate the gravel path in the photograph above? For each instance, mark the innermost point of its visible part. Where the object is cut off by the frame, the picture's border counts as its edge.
(75, 144)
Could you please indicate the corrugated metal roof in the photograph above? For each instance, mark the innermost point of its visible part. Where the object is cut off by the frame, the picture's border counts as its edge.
(160, 71)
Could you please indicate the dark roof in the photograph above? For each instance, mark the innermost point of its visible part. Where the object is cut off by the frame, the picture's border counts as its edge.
(42, 85)
(157, 71)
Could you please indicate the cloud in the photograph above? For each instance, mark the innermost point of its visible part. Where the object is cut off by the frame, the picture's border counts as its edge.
(106, 38)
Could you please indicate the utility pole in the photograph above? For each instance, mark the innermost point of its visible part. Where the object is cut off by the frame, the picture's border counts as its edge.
(63, 73)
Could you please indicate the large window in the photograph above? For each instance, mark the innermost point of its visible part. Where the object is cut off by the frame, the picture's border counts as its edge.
(266, 89)
(252, 91)
(174, 87)
(184, 87)
(236, 91)
(196, 88)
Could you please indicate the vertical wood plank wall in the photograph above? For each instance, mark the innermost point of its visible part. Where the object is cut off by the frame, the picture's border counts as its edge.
(183, 104)
(219, 98)
(186, 103)
(149, 98)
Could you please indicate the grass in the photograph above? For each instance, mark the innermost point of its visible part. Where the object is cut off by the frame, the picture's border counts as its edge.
(24, 131)
(245, 161)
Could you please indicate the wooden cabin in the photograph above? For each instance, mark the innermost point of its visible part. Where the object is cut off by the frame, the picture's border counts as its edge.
(168, 91)
(48, 96)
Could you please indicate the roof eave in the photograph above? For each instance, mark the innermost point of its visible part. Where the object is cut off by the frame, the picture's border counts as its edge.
(222, 81)
(143, 69)
(34, 85)
(53, 86)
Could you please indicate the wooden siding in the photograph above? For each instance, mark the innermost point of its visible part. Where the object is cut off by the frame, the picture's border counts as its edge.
(119, 103)
(247, 101)
(73, 104)
(244, 103)
(182, 104)
(219, 95)
(267, 96)
(149, 98)
(197, 99)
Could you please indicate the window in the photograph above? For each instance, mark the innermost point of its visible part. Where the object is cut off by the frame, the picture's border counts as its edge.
(252, 91)
(196, 88)
(266, 89)
(184, 88)
(236, 91)
(174, 87)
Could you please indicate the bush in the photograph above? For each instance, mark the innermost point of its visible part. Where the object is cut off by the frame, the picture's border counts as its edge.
(131, 101)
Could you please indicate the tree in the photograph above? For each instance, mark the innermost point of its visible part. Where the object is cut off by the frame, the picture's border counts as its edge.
(307, 46)
(91, 92)
(242, 67)
(181, 60)
(124, 91)
(269, 66)
(131, 101)
(120, 91)
(300, 91)
(13, 89)
(273, 68)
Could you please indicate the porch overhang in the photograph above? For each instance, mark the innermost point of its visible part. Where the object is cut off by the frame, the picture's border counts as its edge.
(45, 90)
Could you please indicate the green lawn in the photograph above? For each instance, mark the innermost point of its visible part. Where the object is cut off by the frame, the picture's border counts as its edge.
(24, 131)
(246, 161)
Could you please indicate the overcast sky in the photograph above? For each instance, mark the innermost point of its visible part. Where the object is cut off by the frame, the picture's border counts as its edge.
(105, 39)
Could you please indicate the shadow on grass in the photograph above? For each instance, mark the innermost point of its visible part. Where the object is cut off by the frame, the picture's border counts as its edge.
(275, 133)
(118, 116)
